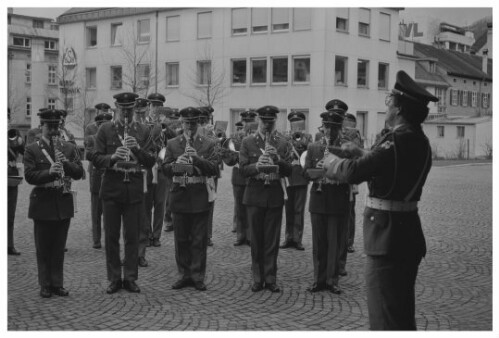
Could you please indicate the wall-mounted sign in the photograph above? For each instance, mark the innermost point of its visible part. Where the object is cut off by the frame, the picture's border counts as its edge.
(69, 57)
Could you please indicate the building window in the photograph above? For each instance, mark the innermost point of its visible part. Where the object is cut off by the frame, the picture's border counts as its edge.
(342, 19)
(143, 75)
(384, 26)
(50, 44)
(362, 123)
(485, 100)
(280, 19)
(454, 97)
(460, 131)
(381, 120)
(362, 73)
(239, 71)
(301, 69)
(382, 76)
(259, 20)
(27, 73)
(28, 106)
(9, 20)
(52, 74)
(340, 70)
(204, 72)
(91, 36)
(51, 103)
(116, 77)
(239, 21)
(279, 70)
(172, 69)
(464, 98)
(432, 67)
(302, 19)
(173, 28)
(37, 23)
(91, 78)
(440, 131)
(440, 94)
(474, 99)
(54, 27)
(143, 30)
(364, 22)
(258, 71)
(21, 42)
(204, 25)
(116, 34)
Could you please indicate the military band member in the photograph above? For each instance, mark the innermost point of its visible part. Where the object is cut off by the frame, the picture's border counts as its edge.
(190, 159)
(206, 128)
(34, 134)
(264, 159)
(139, 116)
(158, 188)
(231, 158)
(171, 119)
(15, 149)
(297, 188)
(102, 114)
(47, 165)
(95, 179)
(328, 207)
(396, 169)
(119, 151)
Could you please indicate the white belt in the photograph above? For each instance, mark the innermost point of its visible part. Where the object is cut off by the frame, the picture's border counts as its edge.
(189, 179)
(401, 206)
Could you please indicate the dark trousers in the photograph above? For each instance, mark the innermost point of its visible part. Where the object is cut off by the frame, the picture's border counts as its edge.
(145, 222)
(191, 244)
(349, 234)
(158, 194)
(11, 213)
(265, 228)
(241, 219)
(50, 241)
(168, 212)
(295, 213)
(390, 292)
(327, 242)
(113, 214)
(96, 210)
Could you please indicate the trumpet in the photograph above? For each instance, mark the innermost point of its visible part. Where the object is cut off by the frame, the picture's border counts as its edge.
(297, 136)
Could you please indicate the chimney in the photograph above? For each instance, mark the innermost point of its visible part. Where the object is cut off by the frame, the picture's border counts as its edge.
(485, 60)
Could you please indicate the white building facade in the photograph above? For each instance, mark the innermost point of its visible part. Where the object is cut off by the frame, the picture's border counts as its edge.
(240, 58)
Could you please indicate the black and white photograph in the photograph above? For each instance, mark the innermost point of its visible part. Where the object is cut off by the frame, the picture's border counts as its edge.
(255, 167)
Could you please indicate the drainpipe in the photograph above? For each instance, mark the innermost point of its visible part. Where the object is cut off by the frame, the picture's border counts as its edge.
(156, 58)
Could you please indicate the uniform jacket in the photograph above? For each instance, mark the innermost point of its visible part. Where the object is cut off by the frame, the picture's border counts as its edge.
(107, 140)
(296, 178)
(13, 153)
(256, 193)
(392, 169)
(50, 203)
(89, 143)
(231, 158)
(334, 198)
(194, 197)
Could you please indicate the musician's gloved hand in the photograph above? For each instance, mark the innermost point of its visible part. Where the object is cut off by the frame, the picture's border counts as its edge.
(60, 156)
(183, 159)
(121, 154)
(56, 169)
(131, 142)
(320, 164)
(264, 160)
(352, 149)
(191, 151)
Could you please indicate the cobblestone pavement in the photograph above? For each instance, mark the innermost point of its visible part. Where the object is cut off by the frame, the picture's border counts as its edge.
(454, 286)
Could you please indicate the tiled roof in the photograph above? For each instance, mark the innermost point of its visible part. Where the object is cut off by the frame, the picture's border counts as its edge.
(480, 42)
(455, 63)
(424, 77)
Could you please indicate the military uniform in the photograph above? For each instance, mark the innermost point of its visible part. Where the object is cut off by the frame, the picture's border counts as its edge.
(328, 207)
(50, 208)
(297, 190)
(15, 148)
(121, 200)
(264, 202)
(189, 203)
(395, 169)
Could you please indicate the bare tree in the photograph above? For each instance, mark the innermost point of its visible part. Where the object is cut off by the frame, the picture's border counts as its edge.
(208, 79)
(138, 74)
(487, 149)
